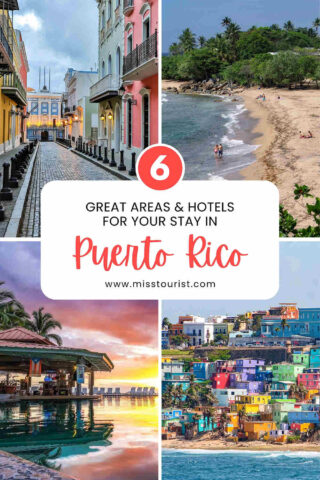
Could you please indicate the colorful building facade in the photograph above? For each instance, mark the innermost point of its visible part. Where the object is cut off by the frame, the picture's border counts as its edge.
(80, 115)
(13, 80)
(140, 74)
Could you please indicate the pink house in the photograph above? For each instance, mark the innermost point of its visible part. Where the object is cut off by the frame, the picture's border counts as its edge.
(140, 74)
(311, 381)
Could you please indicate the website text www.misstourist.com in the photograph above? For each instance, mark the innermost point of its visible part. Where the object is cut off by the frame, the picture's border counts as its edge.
(160, 284)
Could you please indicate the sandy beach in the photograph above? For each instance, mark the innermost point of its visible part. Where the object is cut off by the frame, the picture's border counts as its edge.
(283, 157)
(220, 444)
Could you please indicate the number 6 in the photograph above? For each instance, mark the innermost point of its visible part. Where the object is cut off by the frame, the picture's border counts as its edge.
(158, 164)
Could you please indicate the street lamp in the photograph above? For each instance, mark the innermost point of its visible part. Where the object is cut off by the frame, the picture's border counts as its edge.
(110, 116)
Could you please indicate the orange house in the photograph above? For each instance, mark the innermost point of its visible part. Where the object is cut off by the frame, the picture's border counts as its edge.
(256, 430)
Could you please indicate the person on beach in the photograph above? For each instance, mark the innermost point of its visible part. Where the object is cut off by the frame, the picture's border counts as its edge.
(310, 134)
(216, 150)
(220, 150)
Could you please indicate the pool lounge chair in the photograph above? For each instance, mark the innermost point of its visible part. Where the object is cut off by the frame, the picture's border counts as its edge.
(109, 391)
(117, 391)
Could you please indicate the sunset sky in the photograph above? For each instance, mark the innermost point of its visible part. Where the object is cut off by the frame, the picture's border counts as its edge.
(126, 330)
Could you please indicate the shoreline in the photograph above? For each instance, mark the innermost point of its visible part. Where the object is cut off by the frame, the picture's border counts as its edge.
(220, 445)
(282, 157)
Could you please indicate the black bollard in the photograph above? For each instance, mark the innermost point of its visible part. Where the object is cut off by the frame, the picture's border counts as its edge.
(100, 156)
(95, 151)
(6, 193)
(106, 159)
(132, 172)
(90, 151)
(113, 162)
(18, 166)
(122, 166)
(13, 181)
(84, 148)
(2, 215)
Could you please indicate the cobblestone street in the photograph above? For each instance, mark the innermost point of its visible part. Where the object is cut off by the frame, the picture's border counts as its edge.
(54, 163)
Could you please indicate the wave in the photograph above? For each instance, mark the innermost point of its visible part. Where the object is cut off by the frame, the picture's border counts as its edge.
(164, 98)
(233, 146)
(265, 454)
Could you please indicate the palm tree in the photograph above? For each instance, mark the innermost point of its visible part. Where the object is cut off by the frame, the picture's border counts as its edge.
(223, 421)
(187, 40)
(175, 49)
(6, 296)
(177, 394)
(166, 322)
(202, 41)
(288, 26)
(43, 324)
(167, 397)
(316, 24)
(226, 21)
(13, 315)
(284, 325)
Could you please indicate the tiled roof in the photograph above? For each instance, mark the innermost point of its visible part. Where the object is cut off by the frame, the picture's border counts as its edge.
(20, 334)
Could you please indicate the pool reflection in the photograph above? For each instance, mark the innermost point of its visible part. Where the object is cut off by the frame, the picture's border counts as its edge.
(115, 438)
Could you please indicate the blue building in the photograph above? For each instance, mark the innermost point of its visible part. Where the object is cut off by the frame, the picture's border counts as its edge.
(165, 338)
(307, 325)
(203, 370)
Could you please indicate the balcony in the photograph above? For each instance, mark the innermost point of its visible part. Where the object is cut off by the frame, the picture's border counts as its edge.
(128, 6)
(6, 56)
(142, 62)
(105, 88)
(67, 111)
(13, 88)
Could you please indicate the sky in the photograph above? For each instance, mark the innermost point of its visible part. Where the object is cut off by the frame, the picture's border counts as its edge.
(126, 330)
(299, 283)
(204, 16)
(58, 34)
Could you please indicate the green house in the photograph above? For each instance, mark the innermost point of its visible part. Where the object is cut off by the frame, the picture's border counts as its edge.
(286, 372)
(280, 411)
(301, 358)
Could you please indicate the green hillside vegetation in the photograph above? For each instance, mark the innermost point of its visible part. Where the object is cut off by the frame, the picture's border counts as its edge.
(266, 56)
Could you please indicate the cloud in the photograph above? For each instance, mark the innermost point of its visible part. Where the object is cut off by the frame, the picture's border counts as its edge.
(30, 20)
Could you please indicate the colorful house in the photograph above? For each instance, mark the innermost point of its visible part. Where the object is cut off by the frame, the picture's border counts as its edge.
(303, 416)
(315, 358)
(203, 370)
(311, 381)
(220, 380)
(281, 410)
(258, 429)
(286, 372)
(302, 358)
(13, 80)
(227, 396)
(140, 74)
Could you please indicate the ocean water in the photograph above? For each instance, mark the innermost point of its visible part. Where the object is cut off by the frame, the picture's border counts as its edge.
(194, 124)
(235, 465)
(111, 439)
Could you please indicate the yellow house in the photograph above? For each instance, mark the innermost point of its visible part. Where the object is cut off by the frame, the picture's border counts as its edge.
(257, 430)
(256, 399)
(13, 97)
(246, 407)
(311, 393)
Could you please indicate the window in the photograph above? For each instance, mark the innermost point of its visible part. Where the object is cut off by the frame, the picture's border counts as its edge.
(146, 29)
(109, 65)
(34, 108)
(109, 9)
(118, 63)
(103, 19)
(129, 44)
(44, 108)
(54, 108)
(103, 70)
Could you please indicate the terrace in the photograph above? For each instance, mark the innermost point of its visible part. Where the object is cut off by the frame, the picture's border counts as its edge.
(13, 88)
(6, 35)
(128, 6)
(142, 62)
(105, 88)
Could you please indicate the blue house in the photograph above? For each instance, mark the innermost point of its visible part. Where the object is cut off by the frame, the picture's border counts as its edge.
(303, 417)
(307, 325)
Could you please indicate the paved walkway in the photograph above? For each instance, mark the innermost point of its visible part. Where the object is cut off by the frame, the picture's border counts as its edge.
(15, 468)
(9, 206)
(55, 162)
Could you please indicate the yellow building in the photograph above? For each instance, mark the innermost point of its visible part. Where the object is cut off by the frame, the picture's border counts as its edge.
(257, 430)
(253, 399)
(13, 77)
(247, 408)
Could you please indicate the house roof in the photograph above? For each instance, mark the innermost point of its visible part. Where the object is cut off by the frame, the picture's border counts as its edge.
(20, 334)
(19, 345)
